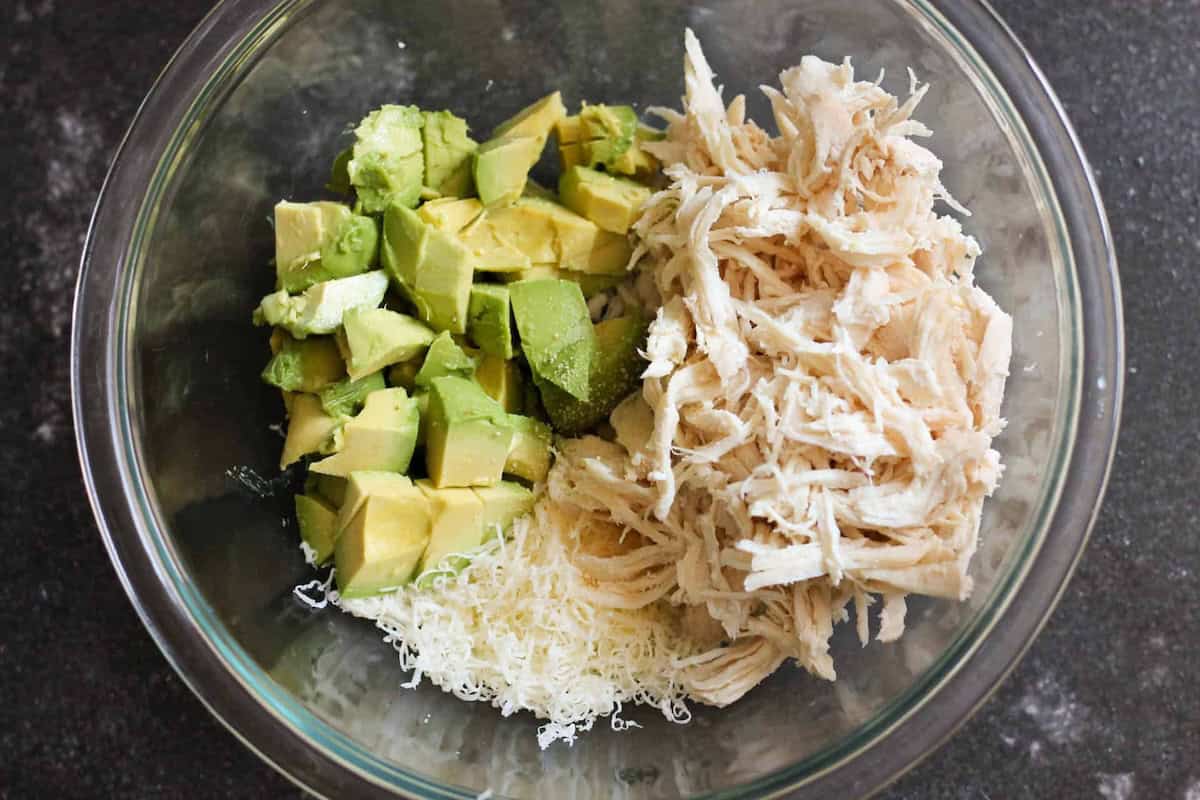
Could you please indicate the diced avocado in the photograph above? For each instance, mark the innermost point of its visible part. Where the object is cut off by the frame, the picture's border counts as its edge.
(529, 456)
(501, 380)
(615, 373)
(636, 161)
(501, 167)
(351, 248)
(450, 214)
(320, 309)
(468, 436)
(309, 429)
(590, 285)
(304, 365)
(599, 135)
(316, 518)
(381, 437)
(457, 527)
(444, 357)
(377, 337)
(381, 546)
(431, 267)
(550, 234)
(612, 203)
(448, 151)
(329, 488)
(535, 120)
(502, 504)
(387, 166)
(488, 320)
(422, 398)
(319, 241)
(535, 189)
(405, 374)
(363, 484)
(556, 332)
(345, 398)
(339, 172)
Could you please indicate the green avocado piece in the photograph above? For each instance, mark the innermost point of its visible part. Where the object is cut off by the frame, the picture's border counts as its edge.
(444, 357)
(615, 373)
(489, 320)
(387, 166)
(345, 398)
(556, 332)
(381, 546)
(552, 235)
(529, 456)
(614, 204)
(535, 120)
(468, 434)
(339, 172)
(321, 307)
(309, 429)
(377, 337)
(381, 437)
(457, 528)
(502, 504)
(598, 136)
(448, 153)
(501, 380)
(319, 241)
(636, 161)
(502, 166)
(430, 267)
(590, 285)
(316, 518)
(329, 488)
(466, 218)
(363, 484)
(450, 214)
(304, 365)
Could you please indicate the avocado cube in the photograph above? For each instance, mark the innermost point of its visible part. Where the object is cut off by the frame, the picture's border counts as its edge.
(502, 166)
(606, 132)
(362, 484)
(615, 373)
(535, 120)
(636, 161)
(381, 546)
(590, 285)
(444, 357)
(550, 234)
(450, 214)
(387, 166)
(320, 308)
(489, 317)
(377, 337)
(501, 379)
(448, 153)
(309, 429)
(468, 435)
(316, 518)
(300, 231)
(329, 488)
(502, 504)
(529, 456)
(612, 203)
(351, 248)
(556, 332)
(457, 527)
(431, 267)
(381, 437)
(346, 398)
(304, 365)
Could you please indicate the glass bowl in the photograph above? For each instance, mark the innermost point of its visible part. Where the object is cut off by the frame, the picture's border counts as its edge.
(166, 394)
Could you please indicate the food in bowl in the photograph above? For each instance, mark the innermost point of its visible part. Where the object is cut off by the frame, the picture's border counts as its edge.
(647, 438)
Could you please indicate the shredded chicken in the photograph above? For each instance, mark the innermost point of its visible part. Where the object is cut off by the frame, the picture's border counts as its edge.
(824, 384)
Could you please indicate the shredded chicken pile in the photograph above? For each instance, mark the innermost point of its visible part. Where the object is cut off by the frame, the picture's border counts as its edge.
(825, 381)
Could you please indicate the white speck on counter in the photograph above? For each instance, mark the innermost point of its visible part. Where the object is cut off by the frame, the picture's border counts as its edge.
(488, 86)
(508, 34)
(1058, 715)
(1192, 792)
(400, 44)
(1116, 787)
(44, 432)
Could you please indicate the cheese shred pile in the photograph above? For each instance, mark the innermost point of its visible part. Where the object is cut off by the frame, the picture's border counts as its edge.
(814, 430)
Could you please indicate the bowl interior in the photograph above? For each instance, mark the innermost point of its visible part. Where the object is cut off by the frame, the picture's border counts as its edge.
(267, 127)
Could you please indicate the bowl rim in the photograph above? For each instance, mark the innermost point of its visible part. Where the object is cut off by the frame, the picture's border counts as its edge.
(110, 471)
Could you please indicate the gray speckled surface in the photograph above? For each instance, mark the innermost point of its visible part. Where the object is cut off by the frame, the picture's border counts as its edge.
(1106, 704)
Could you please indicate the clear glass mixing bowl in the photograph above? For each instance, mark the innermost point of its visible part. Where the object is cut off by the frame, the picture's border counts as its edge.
(167, 396)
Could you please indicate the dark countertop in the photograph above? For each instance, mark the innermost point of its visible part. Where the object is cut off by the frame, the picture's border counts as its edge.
(1107, 702)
